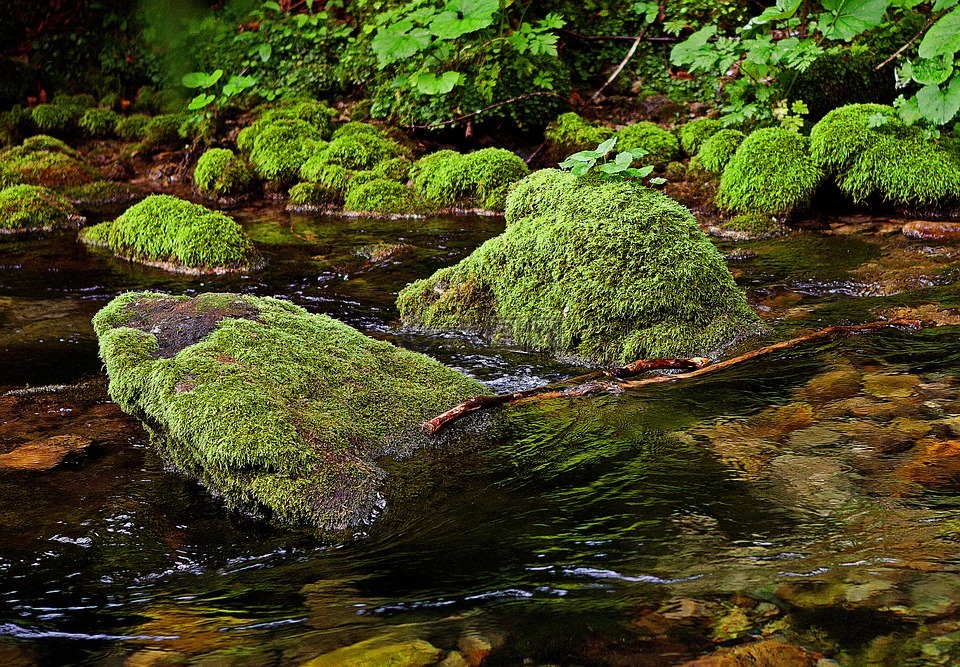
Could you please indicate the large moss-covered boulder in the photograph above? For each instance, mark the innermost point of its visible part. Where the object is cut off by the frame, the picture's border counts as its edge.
(26, 208)
(177, 235)
(604, 271)
(47, 161)
(274, 409)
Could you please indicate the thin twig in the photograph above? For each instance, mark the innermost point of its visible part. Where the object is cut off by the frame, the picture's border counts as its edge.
(896, 54)
(587, 384)
(492, 106)
(616, 72)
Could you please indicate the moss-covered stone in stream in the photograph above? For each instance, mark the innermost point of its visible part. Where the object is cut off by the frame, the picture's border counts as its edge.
(475, 180)
(280, 149)
(46, 161)
(219, 173)
(694, 133)
(608, 272)
(715, 153)
(133, 127)
(274, 409)
(101, 193)
(383, 197)
(771, 172)
(176, 234)
(32, 208)
(872, 154)
(661, 145)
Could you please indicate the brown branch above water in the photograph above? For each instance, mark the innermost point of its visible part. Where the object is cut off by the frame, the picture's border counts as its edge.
(613, 381)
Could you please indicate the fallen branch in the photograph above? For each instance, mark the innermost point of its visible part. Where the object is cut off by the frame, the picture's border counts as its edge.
(899, 52)
(587, 384)
(623, 63)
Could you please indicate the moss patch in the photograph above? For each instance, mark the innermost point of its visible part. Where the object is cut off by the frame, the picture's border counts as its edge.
(570, 133)
(608, 272)
(313, 197)
(32, 208)
(280, 149)
(661, 145)
(694, 133)
(476, 180)
(274, 409)
(771, 172)
(219, 173)
(716, 151)
(45, 161)
(176, 234)
(101, 193)
(99, 123)
(383, 197)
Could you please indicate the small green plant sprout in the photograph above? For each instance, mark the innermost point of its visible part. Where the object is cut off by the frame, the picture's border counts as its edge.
(205, 83)
(582, 162)
(790, 115)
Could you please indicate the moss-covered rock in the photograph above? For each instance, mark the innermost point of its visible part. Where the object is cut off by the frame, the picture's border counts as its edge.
(331, 176)
(46, 161)
(750, 226)
(570, 133)
(274, 409)
(873, 155)
(354, 128)
(101, 193)
(133, 127)
(359, 151)
(395, 169)
(694, 133)
(316, 115)
(604, 271)
(178, 235)
(280, 149)
(33, 208)
(383, 197)
(717, 150)
(163, 131)
(770, 172)
(476, 180)
(313, 197)
(55, 119)
(99, 123)
(219, 173)
(661, 145)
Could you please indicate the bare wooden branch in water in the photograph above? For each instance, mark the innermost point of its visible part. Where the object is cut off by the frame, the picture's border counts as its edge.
(584, 385)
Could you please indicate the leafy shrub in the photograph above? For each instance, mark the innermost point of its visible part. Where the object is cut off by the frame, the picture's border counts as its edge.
(694, 133)
(771, 172)
(181, 234)
(661, 145)
(717, 150)
(569, 133)
(384, 197)
(31, 207)
(220, 173)
(99, 123)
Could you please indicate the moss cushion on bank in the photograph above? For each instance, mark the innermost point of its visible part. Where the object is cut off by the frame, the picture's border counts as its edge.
(605, 271)
(178, 235)
(277, 410)
(33, 208)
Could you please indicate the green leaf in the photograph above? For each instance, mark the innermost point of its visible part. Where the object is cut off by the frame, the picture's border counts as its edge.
(612, 168)
(624, 158)
(937, 105)
(398, 42)
(238, 84)
(845, 19)
(642, 172)
(200, 101)
(784, 9)
(584, 156)
(431, 84)
(580, 169)
(638, 153)
(461, 17)
(658, 180)
(265, 51)
(943, 38)
(683, 52)
(270, 4)
(928, 71)
(876, 120)
(942, 5)
(606, 146)
(648, 10)
(195, 80)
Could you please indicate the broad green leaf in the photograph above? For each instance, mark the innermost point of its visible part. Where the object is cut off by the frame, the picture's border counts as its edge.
(642, 172)
(638, 153)
(612, 168)
(648, 10)
(928, 71)
(659, 180)
(606, 146)
(238, 84)
(265, 51)
(195, 80)
(943, 38)
(938, 105)
(398, 42)
(683, 53)
(200, 101)
(270, 4)
(845, 19)
(624, 159)
(580, 169)
(784, 9)
(584, 156)
(876, 120)
(461, 17)
(431, 84)
(942, 5)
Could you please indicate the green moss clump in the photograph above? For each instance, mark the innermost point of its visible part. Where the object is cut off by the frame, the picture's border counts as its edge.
(771, 172)
(279, 150)
(272, 408)
(843, 75)
(220, 173)
(316, 115)
(872, 154)
(395, 169)
(47, 162)
(331, 176)
(694, 133)
(383, 197)
(754, 224)
(163, 131)
(661, 145)
(178, 235)
(15, 124)
(100, 193)
(570, 133)
(479, 179)
(133, 127)
(675, 171)
(605, 271)
(54, 118)
(359, 151)
(716, 151)
(33, 208)
(80, 102)
(354, 128)
(313, 196)
(99, 123)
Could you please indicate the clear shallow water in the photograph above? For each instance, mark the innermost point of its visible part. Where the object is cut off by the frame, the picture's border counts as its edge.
(773, 500)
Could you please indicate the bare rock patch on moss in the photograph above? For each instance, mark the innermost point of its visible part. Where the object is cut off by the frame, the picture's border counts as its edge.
(279, 411)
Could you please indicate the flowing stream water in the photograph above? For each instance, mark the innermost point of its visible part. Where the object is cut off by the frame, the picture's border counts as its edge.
(809, 496)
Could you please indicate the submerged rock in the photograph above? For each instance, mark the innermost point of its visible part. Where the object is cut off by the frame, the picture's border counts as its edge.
(930, 230)
(177, 235)
(379, 652)
(608, 272)
(275, 409)
(44, 453)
